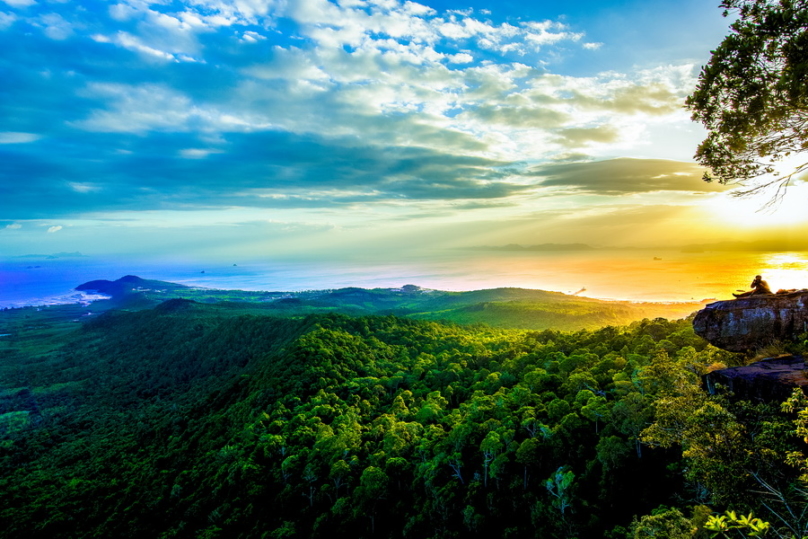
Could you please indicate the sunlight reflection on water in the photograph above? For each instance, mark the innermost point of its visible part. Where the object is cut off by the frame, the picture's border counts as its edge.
(633, 275)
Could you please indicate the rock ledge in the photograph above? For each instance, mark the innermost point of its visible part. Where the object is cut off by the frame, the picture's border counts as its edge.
(768, 380)
(753, 322)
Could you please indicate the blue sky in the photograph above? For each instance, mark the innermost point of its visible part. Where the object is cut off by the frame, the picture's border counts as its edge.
(212, 128)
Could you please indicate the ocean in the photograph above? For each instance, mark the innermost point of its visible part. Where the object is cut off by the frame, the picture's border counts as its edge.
(635, 275)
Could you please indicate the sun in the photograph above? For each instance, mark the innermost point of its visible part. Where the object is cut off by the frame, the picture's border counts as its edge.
(753, 212)
(786, 270)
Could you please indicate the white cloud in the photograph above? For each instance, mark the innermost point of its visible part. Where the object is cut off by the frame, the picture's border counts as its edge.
(160, 34)
(384, 72)
(14, 226)
(243, 11)
(6, 20)
(152, 107)
(289, 64)
(123, 12)
(13, 137)
(252, 37)
(461, 58)
(680, 78)
(20, 3)
(137, 109)
(592, 46)
(56, 27)
(133, 43)
(417, 9)
(55, 228)
(84, 187)
(317, 12)
(548, 33)
(197, 153)
(403, 31)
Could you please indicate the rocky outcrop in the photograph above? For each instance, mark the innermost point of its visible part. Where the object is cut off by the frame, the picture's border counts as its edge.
(753, 322)
(769, 380)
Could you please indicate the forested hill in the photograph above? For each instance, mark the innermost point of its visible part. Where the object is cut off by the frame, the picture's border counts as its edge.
(499, 307)
(188, 421)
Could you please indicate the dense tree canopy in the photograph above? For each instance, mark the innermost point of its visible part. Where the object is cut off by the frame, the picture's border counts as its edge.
(189, 421)
(753, 95)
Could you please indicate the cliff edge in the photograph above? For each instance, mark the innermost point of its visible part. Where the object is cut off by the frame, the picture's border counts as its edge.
(750, 323)
(768, 380)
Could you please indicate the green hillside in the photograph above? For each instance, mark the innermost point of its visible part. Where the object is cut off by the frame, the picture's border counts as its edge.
(500, 307)
(200, 421)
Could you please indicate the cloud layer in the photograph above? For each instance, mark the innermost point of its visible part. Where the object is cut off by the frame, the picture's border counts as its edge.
(360, 110)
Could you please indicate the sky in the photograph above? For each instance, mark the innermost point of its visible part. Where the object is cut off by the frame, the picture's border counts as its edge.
(317, 129)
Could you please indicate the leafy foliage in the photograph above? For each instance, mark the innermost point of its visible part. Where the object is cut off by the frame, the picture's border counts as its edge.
(752, 96)
(190, 420)
(753, 527)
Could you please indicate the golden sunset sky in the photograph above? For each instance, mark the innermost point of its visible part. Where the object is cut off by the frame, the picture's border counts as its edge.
(317, 130)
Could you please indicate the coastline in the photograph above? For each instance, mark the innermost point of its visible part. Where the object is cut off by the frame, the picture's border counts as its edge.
(630, 276)
(75, 297)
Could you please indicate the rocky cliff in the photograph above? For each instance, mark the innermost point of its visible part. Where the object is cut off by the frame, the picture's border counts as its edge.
(753, 322)
(769, 380)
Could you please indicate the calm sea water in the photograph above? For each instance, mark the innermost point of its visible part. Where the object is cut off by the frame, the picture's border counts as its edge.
(631, 275)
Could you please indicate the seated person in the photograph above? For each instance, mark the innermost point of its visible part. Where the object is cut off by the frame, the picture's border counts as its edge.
(759, 287)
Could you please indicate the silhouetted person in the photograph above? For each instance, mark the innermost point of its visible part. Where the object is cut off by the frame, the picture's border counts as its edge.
(759, 287)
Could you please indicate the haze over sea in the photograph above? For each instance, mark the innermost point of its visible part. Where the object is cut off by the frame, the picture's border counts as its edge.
(637, 275)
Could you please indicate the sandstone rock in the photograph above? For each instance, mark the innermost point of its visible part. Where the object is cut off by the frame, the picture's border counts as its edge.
(752, 322)
(769, 380)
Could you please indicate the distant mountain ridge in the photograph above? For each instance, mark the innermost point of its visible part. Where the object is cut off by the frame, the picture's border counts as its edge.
(517, 308)
(74, 254)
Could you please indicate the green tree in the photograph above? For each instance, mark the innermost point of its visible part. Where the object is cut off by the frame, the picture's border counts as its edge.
(340, 472)
(611, 452)
(714, 442)
(372, 488)
(596, 409)
(528, 455)
(490, 448)
(753, 95)
(560, 487)
(663, 522)
(632, 414)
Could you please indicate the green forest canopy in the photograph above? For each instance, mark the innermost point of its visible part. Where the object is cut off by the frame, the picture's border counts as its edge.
(188, 421)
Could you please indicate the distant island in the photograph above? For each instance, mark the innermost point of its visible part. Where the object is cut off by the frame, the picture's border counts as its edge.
(53, 256)
(129, 284)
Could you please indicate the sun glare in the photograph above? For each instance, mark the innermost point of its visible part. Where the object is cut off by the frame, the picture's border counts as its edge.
(786, 271)
(753, 212)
